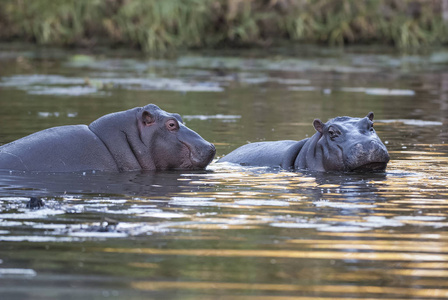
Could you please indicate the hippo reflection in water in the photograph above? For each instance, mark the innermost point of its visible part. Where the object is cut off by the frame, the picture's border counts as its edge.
(142, 138)
(341, 144)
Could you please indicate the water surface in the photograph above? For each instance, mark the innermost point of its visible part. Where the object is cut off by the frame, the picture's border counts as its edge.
(230, 232)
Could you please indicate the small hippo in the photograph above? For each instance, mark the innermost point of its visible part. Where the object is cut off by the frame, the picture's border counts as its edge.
(142, 138)
(341, 144)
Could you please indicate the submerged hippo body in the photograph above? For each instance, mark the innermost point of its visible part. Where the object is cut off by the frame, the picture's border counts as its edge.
(142, 138)
(341, 144)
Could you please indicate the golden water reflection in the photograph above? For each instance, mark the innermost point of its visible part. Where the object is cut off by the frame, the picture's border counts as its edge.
(286, 254)
(332, 289)
(257, 233)
(383, 237)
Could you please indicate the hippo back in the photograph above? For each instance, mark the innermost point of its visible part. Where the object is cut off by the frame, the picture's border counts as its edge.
(270, 154)
(71, 150)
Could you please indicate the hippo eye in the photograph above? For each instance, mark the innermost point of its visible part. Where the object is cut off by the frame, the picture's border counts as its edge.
(172, 125)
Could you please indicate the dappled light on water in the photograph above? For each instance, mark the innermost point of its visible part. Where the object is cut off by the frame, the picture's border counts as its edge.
(231, 232)
(320, 235)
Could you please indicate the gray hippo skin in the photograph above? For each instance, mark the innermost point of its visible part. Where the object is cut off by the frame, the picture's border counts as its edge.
(341, 144)
(142, 138)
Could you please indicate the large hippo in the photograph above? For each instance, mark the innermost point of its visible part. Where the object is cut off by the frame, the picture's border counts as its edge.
(142, 138)
(341, 144)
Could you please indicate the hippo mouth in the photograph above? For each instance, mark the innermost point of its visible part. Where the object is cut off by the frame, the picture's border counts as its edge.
(372, 167)
(200, 163)
(198, 160)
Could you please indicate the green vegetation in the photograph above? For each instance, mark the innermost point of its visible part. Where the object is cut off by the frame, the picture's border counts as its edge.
(162, 26)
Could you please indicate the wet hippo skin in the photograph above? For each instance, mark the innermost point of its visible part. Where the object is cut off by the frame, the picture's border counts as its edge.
(142, 138)
(341, 144)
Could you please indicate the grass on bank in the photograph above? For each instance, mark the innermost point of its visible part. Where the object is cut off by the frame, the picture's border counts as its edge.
(162, 26)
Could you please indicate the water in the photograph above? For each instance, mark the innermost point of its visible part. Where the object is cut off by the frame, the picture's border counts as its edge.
(230, 232)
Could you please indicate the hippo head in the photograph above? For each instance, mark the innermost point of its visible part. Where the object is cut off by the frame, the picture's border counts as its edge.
(350, 144)
(170, 144)
(148, 138)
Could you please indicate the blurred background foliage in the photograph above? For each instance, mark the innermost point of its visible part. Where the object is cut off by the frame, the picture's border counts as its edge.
(163, 26)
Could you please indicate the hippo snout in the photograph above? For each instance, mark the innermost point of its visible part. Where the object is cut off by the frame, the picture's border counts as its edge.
(371, 155)
(202, 155)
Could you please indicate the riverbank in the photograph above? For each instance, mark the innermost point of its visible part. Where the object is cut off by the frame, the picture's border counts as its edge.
(158, 27)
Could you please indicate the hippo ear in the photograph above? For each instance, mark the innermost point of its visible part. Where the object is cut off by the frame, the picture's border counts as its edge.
(179, 118)
(370, 116)
(146, 118)
(318, 125)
